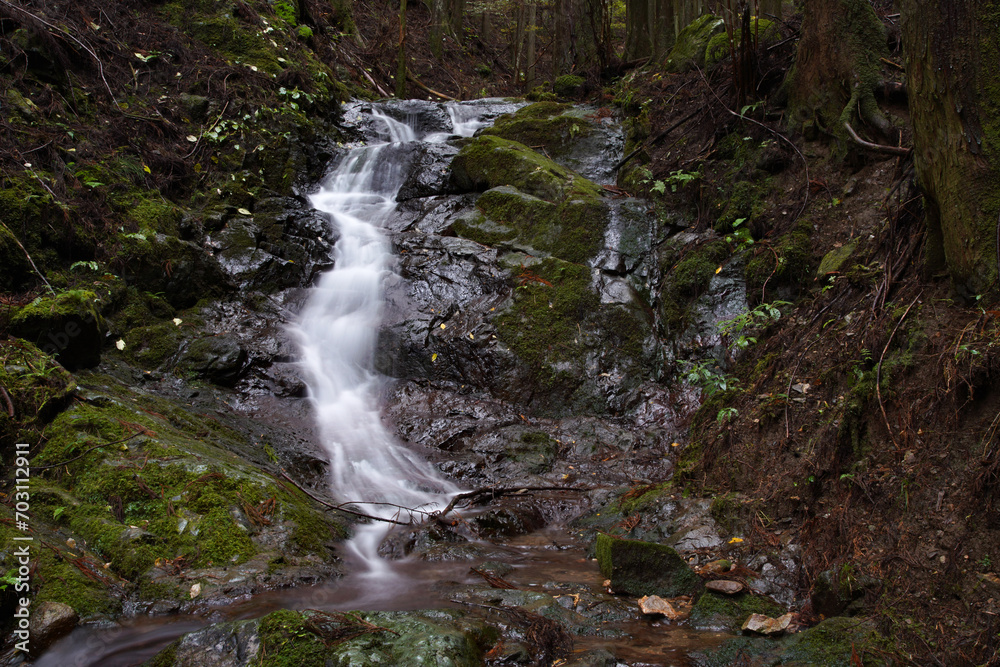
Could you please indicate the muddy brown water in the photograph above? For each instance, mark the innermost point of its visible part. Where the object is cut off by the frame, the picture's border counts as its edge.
(549, 555)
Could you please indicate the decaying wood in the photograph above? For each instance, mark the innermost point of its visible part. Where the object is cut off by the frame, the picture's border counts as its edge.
(878, 148)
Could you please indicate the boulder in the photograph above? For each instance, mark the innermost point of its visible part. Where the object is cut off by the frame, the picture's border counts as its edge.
(692, 42)
(643, 568)
(68, 327)
(50, 621)
(765, 625)
(654, 604)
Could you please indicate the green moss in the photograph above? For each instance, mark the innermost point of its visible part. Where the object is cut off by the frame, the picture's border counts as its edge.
(648, 498)
(832, 643)
(490, 161)
(719, 47)
(567, 85)
(644, 568)
(37, 386)
(536, 450)
(542, 324)
(688, 51)
(286, 642)
(571, 230)
(240, 43)
(793, 266)
(728, 612)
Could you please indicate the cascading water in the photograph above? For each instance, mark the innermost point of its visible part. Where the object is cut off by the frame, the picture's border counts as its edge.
(337, 333)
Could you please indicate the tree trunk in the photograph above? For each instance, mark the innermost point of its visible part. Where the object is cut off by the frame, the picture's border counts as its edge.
(529, 56)
(401, 57)
(952, 50)
(562, 55)
(770, 9)
(838, 68)
(649, 28)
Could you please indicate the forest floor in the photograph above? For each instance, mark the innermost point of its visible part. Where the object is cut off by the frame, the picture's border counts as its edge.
(866, 422)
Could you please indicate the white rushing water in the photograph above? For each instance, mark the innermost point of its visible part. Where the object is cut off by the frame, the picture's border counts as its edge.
(337, 332)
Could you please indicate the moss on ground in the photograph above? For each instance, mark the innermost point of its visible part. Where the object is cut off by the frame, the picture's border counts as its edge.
(542, 125)
(644, 568)
(729, 612)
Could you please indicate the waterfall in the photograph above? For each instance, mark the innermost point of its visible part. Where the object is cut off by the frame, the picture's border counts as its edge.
(337, 332)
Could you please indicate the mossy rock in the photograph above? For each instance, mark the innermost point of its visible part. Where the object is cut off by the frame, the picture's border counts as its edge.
(643, 568)
(787, 263)
(571, 230)
(718, 48)
(838, 591)
(535, 450)
(179, 270)
(489, 161)
(832, 643)
(287, 638)
(542, 125)
(834, 260)
(714, 611)
(688, 51)
(568, 85)
(219, 359)
(67, 326)
(37, 386)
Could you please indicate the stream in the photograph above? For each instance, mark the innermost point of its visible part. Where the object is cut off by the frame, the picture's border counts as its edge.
(402, 280)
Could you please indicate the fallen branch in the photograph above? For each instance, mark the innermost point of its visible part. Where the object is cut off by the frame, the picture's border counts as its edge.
(25, 251)
(105, 444)
(493, 492)
(421, 86)
(878, 148)
(341, 509)
(878, 371)
(656, 139)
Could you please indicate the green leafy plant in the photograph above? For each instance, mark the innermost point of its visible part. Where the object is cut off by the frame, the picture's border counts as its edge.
(8, 579)
(726, 415)
(706, 375)
(740, 328)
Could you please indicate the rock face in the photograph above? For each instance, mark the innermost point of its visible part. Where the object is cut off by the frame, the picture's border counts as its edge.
(643, 568)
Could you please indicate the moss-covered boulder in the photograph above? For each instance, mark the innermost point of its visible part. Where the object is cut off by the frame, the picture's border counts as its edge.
(542, 125)
(568, 85)
(571, 230)
(286, 638)
(219, 359)
(36, 386)
(182, 271)
(490, 161)
(716, 611)
(644, 568)
(688, 51)
(719, 46)
(67, 326)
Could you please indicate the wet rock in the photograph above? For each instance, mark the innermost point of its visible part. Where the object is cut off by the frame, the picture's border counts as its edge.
(50, 621)
(765, 625)
(509, 521)
(183, 271)
(643, 568)
(834, 260)
(428, 172)
(220, 359)
(725, 587)
(654, 604)
(598, 657)
(717, 566)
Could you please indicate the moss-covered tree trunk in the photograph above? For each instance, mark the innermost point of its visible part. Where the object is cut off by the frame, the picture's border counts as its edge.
(837, 68)
(953, 80)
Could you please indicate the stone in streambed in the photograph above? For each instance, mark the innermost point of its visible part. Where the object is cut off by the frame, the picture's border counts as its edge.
(654, 604)
(49, 622)
(643, 568)
(725, 586)
(765, 625)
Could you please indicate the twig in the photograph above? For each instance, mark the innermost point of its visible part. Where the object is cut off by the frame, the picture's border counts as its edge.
(106, 444)
(878, 148)
(341, 509)
(878, 371)
(889, 62)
